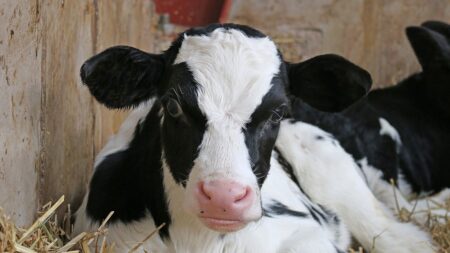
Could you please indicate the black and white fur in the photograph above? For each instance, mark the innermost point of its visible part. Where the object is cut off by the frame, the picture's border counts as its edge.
(211, 106)
(419, 109)
(402, 132)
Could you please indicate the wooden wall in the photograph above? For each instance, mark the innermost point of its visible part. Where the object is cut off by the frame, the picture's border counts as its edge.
(368, 32)
(51, 128)
(20, 108)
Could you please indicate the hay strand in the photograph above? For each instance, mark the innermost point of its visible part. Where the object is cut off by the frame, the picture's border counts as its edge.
(146, 238)
(48, 235)
(72, 242)
(41, 220)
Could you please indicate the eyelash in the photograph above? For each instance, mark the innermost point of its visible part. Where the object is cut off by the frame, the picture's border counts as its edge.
(279, 114)
(172, 107)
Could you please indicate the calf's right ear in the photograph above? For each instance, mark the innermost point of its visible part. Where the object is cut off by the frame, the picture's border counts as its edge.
(122, 76)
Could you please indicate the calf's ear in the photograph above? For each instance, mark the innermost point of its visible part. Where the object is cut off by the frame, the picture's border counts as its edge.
(328, 82)
(438, 26)
(122, 76)
(430, 45)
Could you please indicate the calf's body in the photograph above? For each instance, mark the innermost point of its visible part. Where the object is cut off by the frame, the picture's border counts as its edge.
(417, 108)
(401, 133)
(198, 153)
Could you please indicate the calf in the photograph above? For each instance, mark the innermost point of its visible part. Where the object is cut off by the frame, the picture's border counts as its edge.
(419, 108)
(402, 132)
(207, 152)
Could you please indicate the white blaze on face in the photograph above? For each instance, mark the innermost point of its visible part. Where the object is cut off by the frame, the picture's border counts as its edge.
(234, 72)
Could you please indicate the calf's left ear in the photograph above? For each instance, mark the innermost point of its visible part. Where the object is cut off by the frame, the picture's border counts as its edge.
(123, 76)
(328, 82)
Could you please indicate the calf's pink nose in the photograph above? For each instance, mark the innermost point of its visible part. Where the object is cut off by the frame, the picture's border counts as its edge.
(223, 199)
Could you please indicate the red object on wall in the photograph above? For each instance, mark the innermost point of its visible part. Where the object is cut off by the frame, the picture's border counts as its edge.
(194, 12)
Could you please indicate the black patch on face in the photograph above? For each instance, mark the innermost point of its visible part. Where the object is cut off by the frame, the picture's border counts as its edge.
(130, 182)
(261, 133)
(182, 135)
(278, 208)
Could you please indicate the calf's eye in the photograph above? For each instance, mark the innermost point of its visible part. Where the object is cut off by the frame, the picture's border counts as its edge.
(173, 108)
(278, 114)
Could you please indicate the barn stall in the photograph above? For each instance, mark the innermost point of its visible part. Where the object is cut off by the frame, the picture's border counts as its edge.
(51, 128)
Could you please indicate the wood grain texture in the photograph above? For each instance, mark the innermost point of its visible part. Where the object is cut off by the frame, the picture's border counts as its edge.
(20, 93)
(369, 32)
(120, 23)
(67, 114)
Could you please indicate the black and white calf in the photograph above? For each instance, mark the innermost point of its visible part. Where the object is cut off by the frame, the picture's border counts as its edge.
(419, 108)
(207, 152)
(402, 132)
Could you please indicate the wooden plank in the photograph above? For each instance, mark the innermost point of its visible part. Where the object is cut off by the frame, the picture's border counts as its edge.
(20, 93)
(67, 109)
(115, 27)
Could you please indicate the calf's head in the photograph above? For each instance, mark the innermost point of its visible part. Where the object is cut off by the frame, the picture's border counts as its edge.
(222, 90)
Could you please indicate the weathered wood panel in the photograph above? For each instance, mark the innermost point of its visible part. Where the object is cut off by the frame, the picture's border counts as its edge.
(67, 109)
(20, 94)
(50, 127)
(120, 23)
(47, 137)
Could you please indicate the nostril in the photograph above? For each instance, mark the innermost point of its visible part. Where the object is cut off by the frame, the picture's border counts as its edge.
(223, 194)
(203, 191)
(243, 195)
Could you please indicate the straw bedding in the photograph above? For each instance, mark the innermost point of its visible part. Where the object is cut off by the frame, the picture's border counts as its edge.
(48, 234)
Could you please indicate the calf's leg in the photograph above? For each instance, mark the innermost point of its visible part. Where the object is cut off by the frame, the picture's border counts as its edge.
(330, 177)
